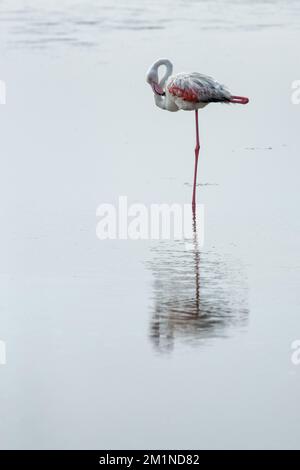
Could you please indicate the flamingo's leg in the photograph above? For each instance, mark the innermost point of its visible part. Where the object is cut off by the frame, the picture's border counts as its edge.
(197, 148)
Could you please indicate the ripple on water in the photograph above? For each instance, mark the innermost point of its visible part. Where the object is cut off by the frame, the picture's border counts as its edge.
(81, 24)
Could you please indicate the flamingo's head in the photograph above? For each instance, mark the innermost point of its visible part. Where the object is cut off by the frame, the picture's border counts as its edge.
(153, 82)
(152, 76)
(157, 89)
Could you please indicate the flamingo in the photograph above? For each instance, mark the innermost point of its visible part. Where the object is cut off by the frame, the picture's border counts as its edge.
(189, 92)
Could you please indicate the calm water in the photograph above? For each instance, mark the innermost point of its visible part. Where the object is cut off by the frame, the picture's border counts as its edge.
(134, 344)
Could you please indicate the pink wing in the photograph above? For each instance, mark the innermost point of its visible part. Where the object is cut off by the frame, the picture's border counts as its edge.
(195, 87)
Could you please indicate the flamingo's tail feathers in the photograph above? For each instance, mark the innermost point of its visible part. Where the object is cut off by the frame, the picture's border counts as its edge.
(239, 99)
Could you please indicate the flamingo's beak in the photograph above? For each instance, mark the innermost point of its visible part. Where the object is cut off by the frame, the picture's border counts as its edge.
(157, 89)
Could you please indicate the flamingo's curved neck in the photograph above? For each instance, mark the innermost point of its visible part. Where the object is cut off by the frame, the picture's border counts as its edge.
(159, 84)
(152, 74)
(168, 71)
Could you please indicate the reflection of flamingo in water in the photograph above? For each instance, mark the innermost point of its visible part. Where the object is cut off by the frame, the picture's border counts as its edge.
(197, 295)
(190, 92)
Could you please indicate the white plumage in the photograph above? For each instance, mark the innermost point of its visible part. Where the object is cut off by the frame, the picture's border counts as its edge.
(187, 91)
(190, 90)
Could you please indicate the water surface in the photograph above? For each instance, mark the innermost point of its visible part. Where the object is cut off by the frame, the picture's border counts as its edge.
(135, 344)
